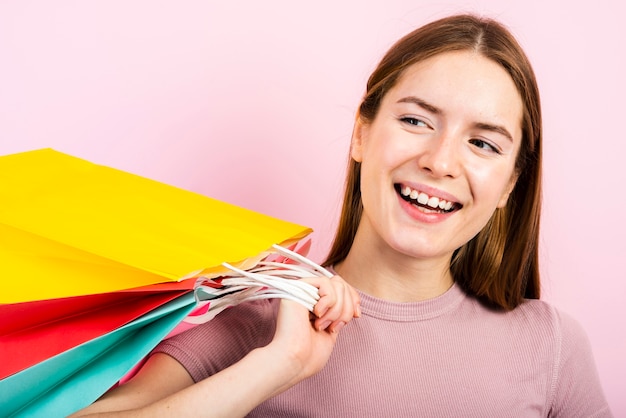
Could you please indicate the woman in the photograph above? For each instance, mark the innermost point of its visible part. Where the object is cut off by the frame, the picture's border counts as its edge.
(439, 234)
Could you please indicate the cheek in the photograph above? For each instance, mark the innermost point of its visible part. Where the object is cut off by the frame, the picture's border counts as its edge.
(491, 185)
(388, 153)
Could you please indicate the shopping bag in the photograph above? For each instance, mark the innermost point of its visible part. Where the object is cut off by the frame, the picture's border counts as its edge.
(76, 218)
(97, 265)
(83, 373)
(75, 378)
(32, 332)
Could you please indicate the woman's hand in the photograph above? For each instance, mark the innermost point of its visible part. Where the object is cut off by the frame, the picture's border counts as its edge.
(301, 347)
(305, 341)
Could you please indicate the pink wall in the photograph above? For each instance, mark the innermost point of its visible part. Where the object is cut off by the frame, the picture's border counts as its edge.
(253, 102)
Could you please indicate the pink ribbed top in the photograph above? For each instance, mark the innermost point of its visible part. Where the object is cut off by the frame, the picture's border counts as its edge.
(445, 357)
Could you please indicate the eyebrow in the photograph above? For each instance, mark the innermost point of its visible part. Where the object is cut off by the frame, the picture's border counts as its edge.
(421, 103)
(437, 111)
(495, 128)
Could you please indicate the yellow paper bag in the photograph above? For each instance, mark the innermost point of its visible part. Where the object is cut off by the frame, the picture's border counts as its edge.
(69, 227)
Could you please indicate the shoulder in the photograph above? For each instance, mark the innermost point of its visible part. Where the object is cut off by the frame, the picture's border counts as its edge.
(550, 327)
(210, 347)
(252, 319)
(576, 387)
(545, 318)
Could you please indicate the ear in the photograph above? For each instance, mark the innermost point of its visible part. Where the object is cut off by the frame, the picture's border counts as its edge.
(505, 196)
(359, 133)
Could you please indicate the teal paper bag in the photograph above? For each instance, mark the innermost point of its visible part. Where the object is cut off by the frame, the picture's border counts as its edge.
(74, 379)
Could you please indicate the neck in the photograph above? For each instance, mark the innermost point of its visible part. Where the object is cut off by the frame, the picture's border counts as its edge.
(395, 277)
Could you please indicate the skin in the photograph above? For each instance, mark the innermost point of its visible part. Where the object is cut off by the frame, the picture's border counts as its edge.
(436, 132)
(451, 126)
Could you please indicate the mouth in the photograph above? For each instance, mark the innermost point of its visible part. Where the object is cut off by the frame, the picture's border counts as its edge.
(427, 203)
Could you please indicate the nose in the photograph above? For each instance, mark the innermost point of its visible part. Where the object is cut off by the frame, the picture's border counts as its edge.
(440, 157)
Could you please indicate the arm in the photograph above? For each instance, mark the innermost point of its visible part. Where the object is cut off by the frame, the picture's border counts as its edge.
(300, 348)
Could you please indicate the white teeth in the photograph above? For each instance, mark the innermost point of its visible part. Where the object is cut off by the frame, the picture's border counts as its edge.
(424, 199)
(433, 202)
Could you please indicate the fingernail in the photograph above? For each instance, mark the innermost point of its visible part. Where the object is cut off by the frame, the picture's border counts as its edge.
(324, 325)
(338, 326)
(321, 313)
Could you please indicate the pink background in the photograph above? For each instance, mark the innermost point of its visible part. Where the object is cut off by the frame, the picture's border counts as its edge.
(253, 102)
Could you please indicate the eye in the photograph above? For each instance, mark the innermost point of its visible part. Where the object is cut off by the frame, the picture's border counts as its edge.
(413, 121)
(484, 145)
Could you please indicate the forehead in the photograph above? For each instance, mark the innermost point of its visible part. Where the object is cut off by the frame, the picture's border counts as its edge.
(463, 84)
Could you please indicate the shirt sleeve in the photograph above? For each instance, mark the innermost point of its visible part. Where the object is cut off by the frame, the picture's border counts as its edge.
(577, 388)
(211, 347)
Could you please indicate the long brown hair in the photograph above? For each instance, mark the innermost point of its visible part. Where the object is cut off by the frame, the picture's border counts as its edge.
(500, 264)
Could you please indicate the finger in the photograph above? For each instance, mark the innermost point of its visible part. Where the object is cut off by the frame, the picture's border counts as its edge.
(354, 295)
(327, 294)
(351, 298)
(338, 304)
(348, 310)
(329, 304)
(343, 310)
(356, 301)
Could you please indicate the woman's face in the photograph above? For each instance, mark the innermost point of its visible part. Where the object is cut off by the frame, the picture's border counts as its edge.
(439, 157)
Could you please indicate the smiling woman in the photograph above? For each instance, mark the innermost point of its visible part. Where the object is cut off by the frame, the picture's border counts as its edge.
(479, 265)
(434, 307)
(438, 148)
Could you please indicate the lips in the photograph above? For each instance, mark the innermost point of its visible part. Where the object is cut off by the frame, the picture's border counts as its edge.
(423, 200)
